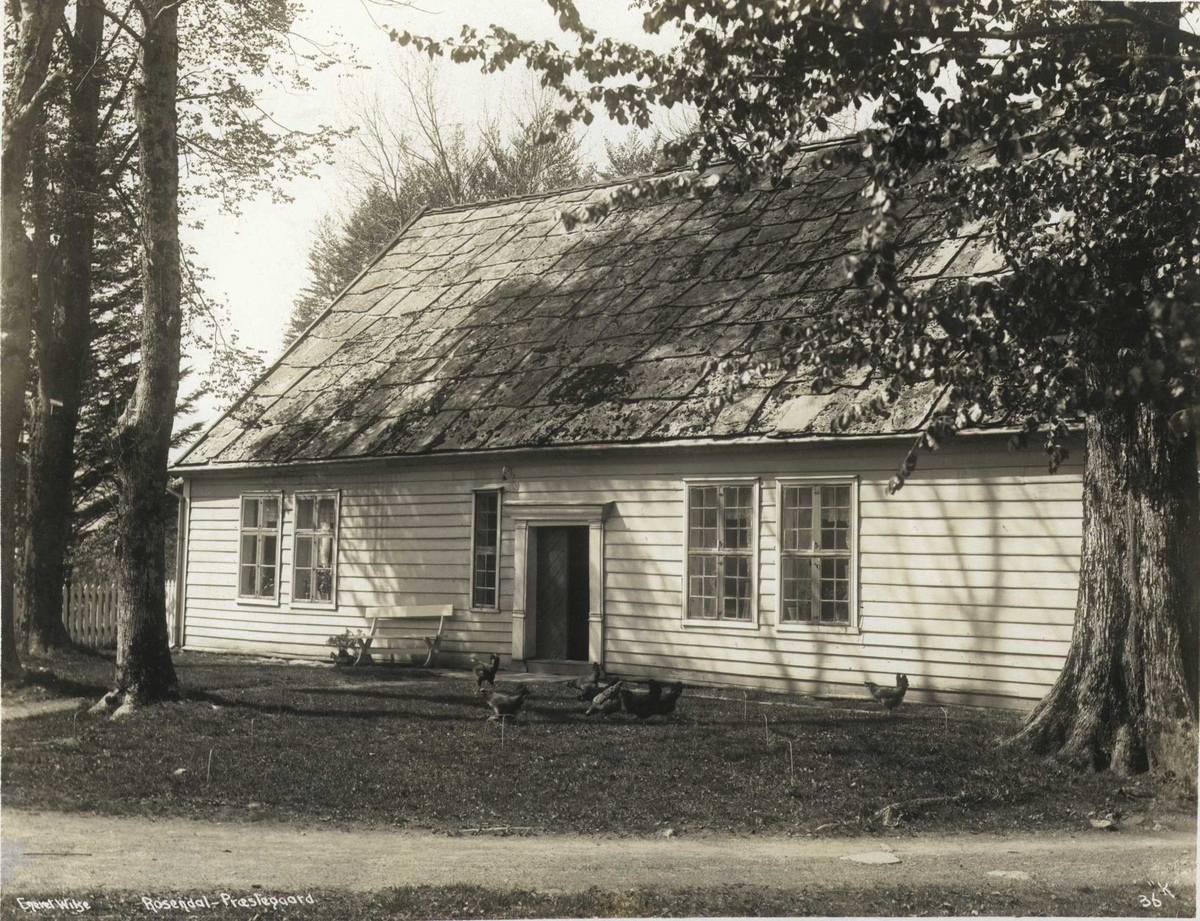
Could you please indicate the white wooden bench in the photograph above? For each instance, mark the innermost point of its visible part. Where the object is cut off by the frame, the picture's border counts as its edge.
(402, 615)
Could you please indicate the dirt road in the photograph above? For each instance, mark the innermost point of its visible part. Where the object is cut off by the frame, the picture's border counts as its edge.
(44, 853)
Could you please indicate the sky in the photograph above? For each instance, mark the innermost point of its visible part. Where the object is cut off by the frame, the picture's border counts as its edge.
(257, 259)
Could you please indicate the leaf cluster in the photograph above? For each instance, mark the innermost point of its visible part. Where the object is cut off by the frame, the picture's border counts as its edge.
(1066, 133)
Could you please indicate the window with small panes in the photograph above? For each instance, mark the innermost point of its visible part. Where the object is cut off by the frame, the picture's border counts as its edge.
(721, 524)
(258, 549)
(816, 553)
(314, 555)
(485, 552)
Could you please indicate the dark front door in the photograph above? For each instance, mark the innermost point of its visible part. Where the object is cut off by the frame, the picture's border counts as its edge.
(562, 593)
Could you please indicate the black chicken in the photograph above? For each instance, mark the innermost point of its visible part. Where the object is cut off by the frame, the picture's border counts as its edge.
(504, 703)
(486, 671)
(889, 697)
(670, 697)
(642, 704)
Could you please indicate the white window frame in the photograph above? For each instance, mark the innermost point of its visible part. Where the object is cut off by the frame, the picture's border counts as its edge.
(852, 626)
(471, 605)
(336, 494)
(260, 600)
(718, 625)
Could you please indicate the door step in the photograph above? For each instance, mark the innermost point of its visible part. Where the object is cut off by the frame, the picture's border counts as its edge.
(567, 667)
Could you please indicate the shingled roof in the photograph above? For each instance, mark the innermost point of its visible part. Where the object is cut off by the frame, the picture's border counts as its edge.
(491, 326)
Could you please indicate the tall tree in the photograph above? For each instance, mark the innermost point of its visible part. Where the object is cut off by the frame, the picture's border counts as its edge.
(143, 437)
(1070, 128)
(62, 327)
(28, 84)
(419, 155)
(93, 174)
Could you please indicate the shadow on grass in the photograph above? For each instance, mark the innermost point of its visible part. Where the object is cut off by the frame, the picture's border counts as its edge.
(73, 672)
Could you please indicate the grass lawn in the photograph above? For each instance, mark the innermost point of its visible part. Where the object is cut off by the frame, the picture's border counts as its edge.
(426, 902)
(391, 746)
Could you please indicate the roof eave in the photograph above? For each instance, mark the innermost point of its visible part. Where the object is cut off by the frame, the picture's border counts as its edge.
(589, 448)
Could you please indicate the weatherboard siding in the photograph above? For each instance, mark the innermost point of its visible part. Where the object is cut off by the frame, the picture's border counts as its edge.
(968, 577)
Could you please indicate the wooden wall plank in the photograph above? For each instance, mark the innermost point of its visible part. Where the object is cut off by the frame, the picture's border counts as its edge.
(970, 571)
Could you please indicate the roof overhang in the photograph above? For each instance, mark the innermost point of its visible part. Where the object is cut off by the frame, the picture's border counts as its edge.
(584, 449)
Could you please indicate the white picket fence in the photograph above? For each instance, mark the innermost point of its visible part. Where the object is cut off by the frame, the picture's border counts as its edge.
(90, 613)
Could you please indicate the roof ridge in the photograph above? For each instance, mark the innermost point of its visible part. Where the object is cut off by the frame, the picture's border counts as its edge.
(841, 141)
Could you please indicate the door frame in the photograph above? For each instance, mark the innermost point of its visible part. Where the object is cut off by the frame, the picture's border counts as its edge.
(526, 518)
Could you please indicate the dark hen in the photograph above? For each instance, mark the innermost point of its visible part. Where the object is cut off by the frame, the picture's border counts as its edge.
(504, 703)
(486, 671)
(642, 704)
(889, 697)
(670, 697)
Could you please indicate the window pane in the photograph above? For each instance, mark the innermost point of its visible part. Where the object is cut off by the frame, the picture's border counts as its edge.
(267, 589)
(326, 514)
(835, 589)
(702, 586)
(324, 584)
(304, 552)
(270, 513)
(302, 590)
(738, 514)
(797, 518)
(268, 549)
(249, 513)
(702, 517)
(797, 589)
(485, 580)
(304, 514)
(249, 549)
(248, 574)
(835, 517)
(325, 551)
(737, 588)
(484, 597)
(487, 507)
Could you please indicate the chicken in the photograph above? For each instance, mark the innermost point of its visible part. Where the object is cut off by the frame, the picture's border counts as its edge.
(889, 697)
(606, 701)
(670, 697)
(486, 671)
(641, 704)
(588, 688)
(504, 703)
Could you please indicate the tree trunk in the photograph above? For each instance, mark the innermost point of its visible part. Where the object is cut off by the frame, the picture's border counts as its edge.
(62, 327)
(26, 89)
(1127, 695)
(143, 439)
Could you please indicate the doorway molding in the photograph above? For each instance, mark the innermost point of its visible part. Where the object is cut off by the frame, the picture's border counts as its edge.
(528, 515)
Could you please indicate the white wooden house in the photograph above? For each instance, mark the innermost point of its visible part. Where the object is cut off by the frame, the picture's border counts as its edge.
(517, 421)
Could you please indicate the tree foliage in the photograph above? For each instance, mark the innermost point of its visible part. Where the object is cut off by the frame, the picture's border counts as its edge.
(1073, 127)
(1072, 131)
(422, 156)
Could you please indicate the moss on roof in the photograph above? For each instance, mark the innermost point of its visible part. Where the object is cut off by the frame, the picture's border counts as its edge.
(491, 326)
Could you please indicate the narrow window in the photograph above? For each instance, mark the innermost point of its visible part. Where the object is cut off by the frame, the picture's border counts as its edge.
(314, 569)
(258, 553)
(720, 552)
(486, 546)
(815, 550)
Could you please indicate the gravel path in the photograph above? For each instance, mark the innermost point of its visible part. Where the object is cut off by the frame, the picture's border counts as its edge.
(23, 710)
(44, 853)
